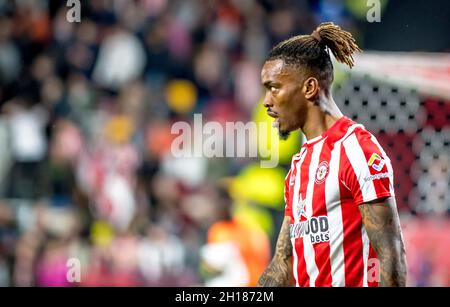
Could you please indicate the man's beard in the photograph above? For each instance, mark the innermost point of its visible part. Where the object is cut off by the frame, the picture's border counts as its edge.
(283, 134)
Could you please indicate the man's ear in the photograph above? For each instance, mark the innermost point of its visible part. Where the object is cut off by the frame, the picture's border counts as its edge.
(311, 88)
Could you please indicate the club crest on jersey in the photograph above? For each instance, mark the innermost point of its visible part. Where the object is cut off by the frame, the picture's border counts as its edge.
(376, 162)
(322, 172)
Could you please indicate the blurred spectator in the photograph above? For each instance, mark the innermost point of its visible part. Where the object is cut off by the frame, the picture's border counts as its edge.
(28, 145)
(236, 254)
(121, 59)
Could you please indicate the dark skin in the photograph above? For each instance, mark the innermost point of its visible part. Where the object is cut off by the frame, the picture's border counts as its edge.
(279, 271)
(313, 111)
(381, 221)
(297, 101)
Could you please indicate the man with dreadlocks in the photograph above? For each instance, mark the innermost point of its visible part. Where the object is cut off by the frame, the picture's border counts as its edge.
(341, 226)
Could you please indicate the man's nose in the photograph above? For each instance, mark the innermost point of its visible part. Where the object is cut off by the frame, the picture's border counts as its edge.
(267, 102)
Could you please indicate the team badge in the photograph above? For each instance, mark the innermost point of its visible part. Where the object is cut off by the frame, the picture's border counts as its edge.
(322, 172)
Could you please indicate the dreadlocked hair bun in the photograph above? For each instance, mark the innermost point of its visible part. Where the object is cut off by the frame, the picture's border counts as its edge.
(340, 42)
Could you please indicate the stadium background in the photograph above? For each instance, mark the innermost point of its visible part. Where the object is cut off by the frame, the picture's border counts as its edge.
(86, 112)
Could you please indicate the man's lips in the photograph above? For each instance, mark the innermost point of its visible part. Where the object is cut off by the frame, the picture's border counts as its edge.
(276, 122)
(272, 114)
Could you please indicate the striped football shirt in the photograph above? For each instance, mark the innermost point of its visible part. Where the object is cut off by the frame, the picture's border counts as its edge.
(328, 179)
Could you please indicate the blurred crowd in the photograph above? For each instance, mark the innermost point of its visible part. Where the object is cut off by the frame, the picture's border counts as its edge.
(85, 138)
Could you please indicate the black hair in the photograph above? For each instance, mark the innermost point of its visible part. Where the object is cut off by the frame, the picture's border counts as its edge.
(312, 51)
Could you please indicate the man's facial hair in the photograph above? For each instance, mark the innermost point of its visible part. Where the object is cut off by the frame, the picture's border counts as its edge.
(283, 134)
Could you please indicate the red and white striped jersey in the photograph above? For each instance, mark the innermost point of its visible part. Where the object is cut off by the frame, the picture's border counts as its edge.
(328, 179)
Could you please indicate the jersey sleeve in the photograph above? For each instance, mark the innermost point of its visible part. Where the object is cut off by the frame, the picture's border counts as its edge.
(366, 170)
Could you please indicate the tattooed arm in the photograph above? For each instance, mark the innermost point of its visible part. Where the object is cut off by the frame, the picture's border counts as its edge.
(381, 221)
(279, 271)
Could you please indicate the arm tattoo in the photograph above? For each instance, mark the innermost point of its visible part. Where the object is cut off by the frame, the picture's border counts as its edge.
(279, 271)
(383, 229)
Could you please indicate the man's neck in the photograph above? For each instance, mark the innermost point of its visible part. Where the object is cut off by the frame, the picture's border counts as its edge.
(321, 117)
